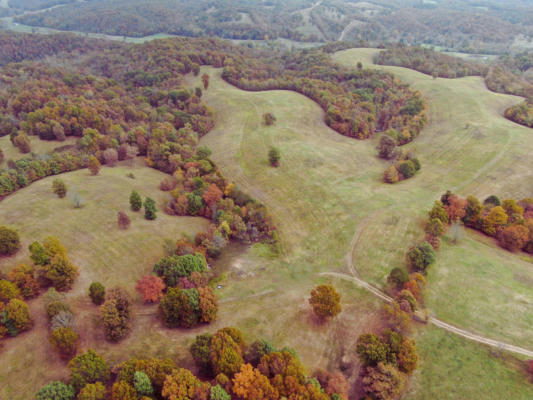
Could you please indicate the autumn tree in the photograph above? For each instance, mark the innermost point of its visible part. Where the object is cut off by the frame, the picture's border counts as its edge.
(97, 293)
(434, 227)
(180, 308)
(116, 314)
(22, 142)
(88, 368)
(383, 382)
(123, 221)
(456, 208)
(181, 384)
(407, 356)
(387, 147)
(208, 304)
(494, 220)
(9, 241)
(325, 301)
(59, 188)
(250, 384)
(23, 277)
(472, 212)
(391, 175)
(110, 157)
(65, 341)
(151, 288)
(269, 119)
(94, 165)
(398, 277)
(212, 195)
(122, 390)
(8, 291)
(16, 317)
(135, 201)
(225, 353)
(205, 81)
(93, 391)
(150, 209)
(513, 237)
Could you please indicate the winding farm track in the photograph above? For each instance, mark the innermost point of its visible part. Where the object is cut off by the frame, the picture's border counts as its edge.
(437, 322)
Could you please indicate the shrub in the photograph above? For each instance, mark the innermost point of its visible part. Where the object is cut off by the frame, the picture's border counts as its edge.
(97, 293)
(150, 209)
(93, 391)
(59, 188)
(110, 157)
(142, 384)
(88, 368)
(9, 241)
(398, 277)
(421, 256)
(136, 202)
(168, 184)
(8, 291)
(65, 341)
(269, 119)
(151, 288)
(123, 220)
(274, 156)
(55, 391)
(325, 301)
(94, 165)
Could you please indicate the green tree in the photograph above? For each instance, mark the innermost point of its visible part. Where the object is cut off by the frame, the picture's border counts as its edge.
(421, 256)
(434, 227)
(59, 188)
(97, 293)
(398, 277)
(8, 291)
(386, 147)
(142, 384)
(371, 349)
(136, 202)
(200, 349)
(55, 391)
(439, 212)
(9, 241)
(180, 308)
(17, 314)
(88, 368)
(274, 156)
(150, 209)
(218, 393)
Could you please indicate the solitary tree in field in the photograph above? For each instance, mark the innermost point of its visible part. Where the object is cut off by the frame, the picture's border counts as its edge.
(274, 156)
(59, 188)
(205, 81)
(135, 201)
(325, 300)
(94, 165)
(269, 119)
(123, 220)
(150, 209)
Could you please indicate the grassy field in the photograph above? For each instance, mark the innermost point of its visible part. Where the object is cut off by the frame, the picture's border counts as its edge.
(37, 146)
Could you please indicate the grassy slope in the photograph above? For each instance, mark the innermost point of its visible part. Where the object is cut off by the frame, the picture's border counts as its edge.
(103, 253)
(470, 148)
(37, 146)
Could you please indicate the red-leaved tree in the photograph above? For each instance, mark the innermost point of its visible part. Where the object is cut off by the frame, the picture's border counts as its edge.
(151, 288)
